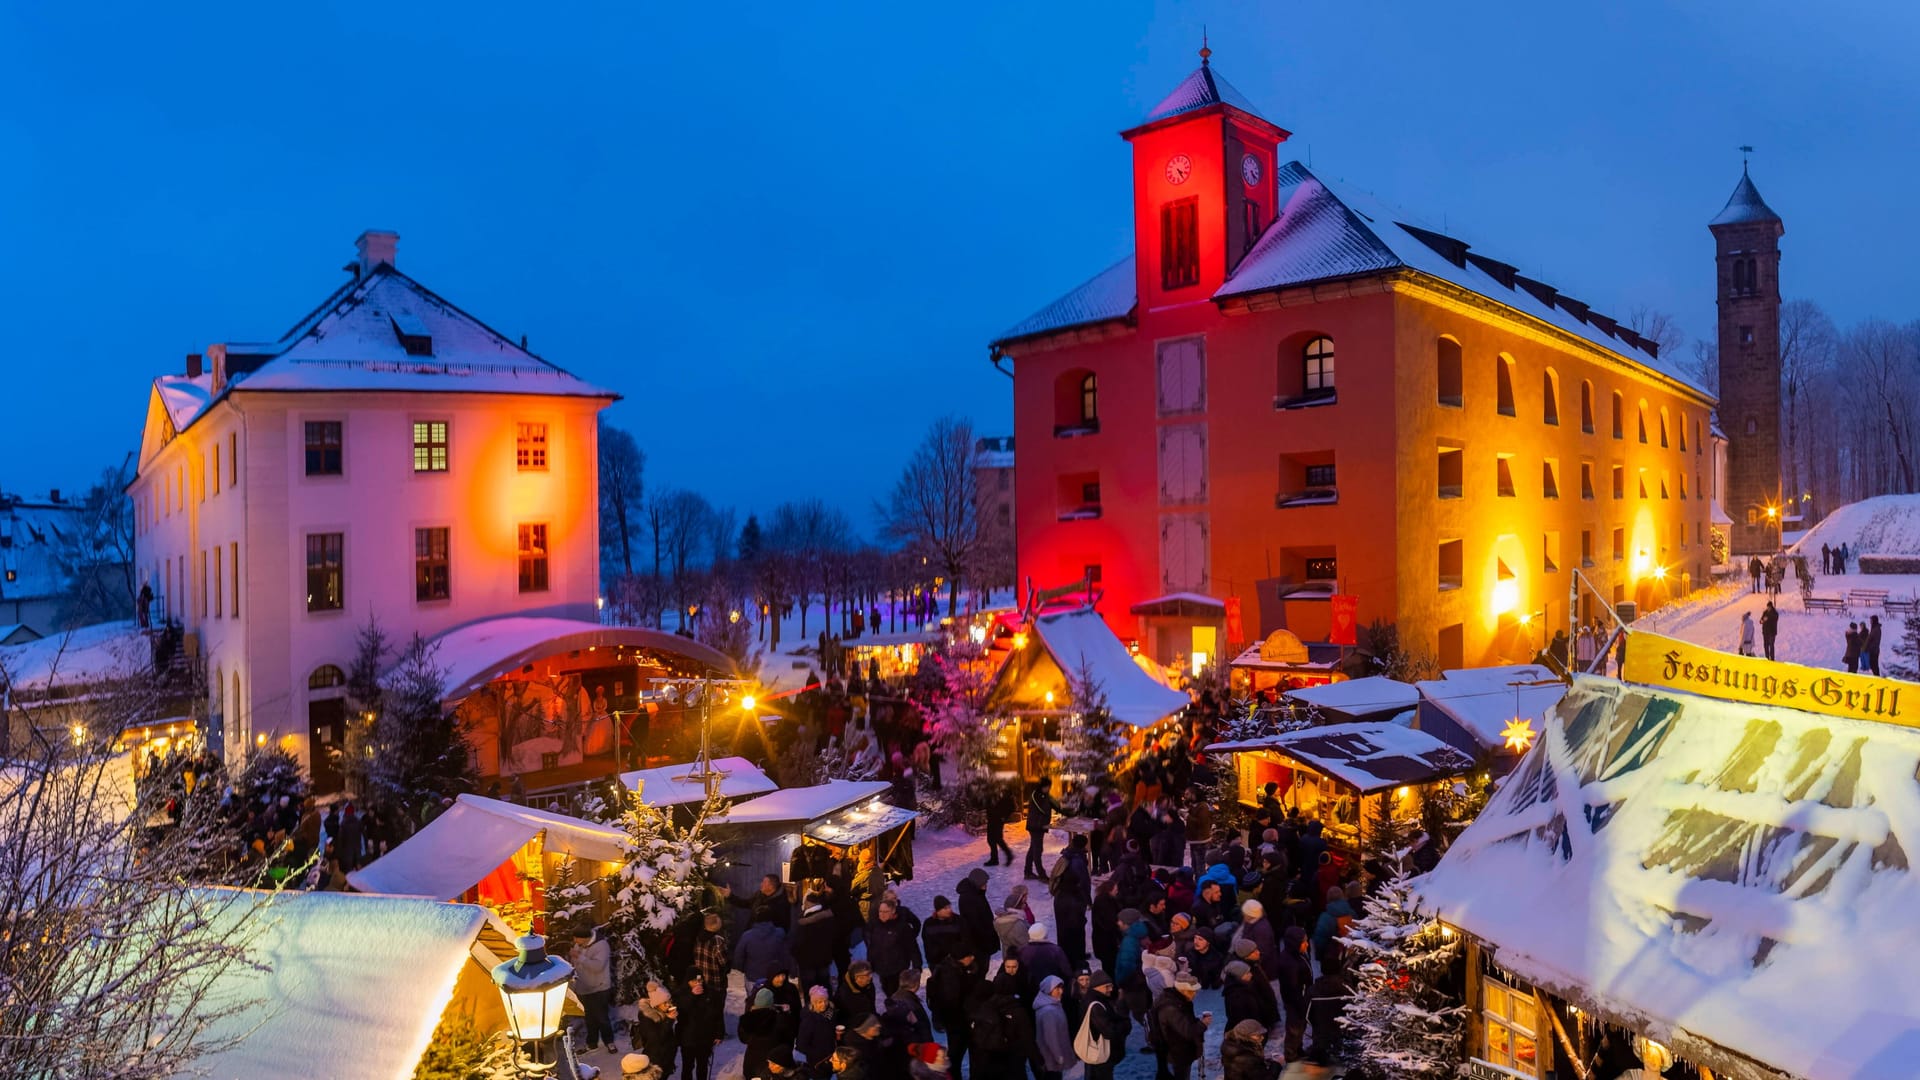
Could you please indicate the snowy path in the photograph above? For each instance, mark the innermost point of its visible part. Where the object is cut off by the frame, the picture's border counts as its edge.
(1817, 639)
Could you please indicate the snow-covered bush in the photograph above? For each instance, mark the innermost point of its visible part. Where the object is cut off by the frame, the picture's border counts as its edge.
(1890, 564)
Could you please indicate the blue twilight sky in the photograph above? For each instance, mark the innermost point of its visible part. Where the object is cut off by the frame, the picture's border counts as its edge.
(787, 231)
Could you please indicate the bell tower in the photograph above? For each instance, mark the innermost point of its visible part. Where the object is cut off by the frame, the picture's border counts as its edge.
(1746, 238)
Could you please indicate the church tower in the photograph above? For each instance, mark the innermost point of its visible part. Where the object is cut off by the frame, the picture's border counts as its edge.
(1746, 238)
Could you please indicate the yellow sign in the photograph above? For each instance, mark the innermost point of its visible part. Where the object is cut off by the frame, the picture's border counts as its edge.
(1680, 665)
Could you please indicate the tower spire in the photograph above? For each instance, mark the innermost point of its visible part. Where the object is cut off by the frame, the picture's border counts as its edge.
(1745, 152)
(1204, 51)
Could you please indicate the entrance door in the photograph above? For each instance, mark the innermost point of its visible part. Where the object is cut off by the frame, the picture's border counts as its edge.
(326, 732)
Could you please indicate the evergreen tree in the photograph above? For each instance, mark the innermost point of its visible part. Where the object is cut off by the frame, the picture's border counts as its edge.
(752, 542)
(1401, 1020)
(420, 756)
(662, 883)
(1908, 649)
(569, 900)
(1092, 746)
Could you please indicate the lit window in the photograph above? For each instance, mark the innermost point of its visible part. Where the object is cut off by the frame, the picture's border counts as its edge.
(533, 558)
(323, 448)
(1447, 352)
(1510, 1028)
(1619, 415)
(325, 558)
(530, 447)
(1586, 406)
(1586, 479)
(1550, 398)
(1090, 399)
(1317, 363)
(1549, 479)
(430, 446)
(430, 564)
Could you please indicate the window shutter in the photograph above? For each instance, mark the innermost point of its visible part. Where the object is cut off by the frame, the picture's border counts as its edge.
(1183, 553)
(1183, 464)
(1182, 376)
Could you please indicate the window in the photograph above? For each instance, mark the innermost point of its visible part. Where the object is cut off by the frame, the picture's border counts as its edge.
(1619, 481)
(1663, 483)
(1550, 398)
(1643, 483)
(1451, 647)
(1683, 485)
(203, 583)
(1316, 362)
(323, 448)
(533, 558)
(1180, 243)
(325, 557)
(233, 568)
(1642, 414)
(1452, 472)
(1663, 427)
(1619, 415)
(233, 458)
(1448, 354)
(325, 677)
(1090, 399)
(1549, 479)
(1586, 479)
(1503, 384)
(1323, 569)
(1746, 335)
(1696, 438)
(1550, 553)
(1453, 562)
(1619, 544)
(1586, 547)
(1090, 493)
(1510, 1028)
(1250, 225)
(219, 582)
(1076, 403)
(1753, 425)
(1320, 476)
(1586, 406)
(530, 447)
(1503, 476)
(430, 564)
(216, 467)
(429, 446)
(1683, 431)
(1091, 573)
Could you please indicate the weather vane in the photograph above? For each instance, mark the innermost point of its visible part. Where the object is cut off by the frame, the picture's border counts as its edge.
(1204, 51)
(1744, 152)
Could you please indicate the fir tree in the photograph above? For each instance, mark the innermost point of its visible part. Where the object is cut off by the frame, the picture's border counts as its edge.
(662, 883)
(1908, 649)
(1400, 1020)
(1091, 744)
(570, 900)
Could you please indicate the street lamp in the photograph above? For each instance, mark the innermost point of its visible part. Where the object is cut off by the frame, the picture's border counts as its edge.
(534, 987)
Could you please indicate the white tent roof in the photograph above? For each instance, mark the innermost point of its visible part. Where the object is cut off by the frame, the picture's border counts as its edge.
(662, 786)
(1724, 876)
(1375, 693)
(473, 837)
(75, 658)
(350, 985)
(478, 652)
(1483, 700)
(805, 803)
(1080, 641)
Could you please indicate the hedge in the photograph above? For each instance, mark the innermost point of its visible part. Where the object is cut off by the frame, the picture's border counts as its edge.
(1890, 564)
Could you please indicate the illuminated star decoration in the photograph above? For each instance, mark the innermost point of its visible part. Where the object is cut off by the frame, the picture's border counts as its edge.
(1519, 734)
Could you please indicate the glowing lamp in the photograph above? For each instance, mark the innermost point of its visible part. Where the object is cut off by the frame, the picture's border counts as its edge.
(1641, 563)
(534, 987)
(1772, 512)
(1402, 791)
(1020, 640)
(600, 603)
(1519, 734)
(977, 633)
(1199, 661)
(1659, 573)
(733, 616)
(79, 734)
(748, 703)
(1506, 595)
(260, 739)
(1049, 699)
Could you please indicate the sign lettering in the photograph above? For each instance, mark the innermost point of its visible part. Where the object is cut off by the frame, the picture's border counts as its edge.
(1679, 665)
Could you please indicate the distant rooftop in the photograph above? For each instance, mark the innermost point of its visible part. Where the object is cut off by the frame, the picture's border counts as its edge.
(1745, 206)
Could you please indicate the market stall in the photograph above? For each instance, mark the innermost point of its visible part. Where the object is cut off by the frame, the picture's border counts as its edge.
(672, 786)
(792, 832)
(1339, 774)
(1375, 697)
(498, 854)
(1472, 710)
(1281, 663)
(897, 654)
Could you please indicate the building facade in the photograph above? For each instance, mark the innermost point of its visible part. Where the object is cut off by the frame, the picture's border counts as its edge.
(1746, 240)
(390, 458)
(1293, 391)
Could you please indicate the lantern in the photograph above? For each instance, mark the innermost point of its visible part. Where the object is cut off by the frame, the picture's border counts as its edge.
(534, 987)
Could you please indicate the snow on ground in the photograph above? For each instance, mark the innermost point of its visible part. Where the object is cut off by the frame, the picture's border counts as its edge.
(1711, 618)
(1883, 525)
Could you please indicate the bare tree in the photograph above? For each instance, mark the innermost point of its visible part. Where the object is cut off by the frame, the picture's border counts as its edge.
(934, 508)
(96, 558)
(809, 533)
(1658, 327)
(1807, 339)
(622, 469)
(1881, 359)
(1704, 369)
(683, 525)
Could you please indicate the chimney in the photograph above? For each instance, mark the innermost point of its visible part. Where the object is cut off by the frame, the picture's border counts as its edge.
(54, 495)
(193, 365)
(218, 354)
(376, 246)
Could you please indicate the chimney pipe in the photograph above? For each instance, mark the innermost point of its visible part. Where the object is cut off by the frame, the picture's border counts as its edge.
(377, 246)
(54, 495)
(193, 365)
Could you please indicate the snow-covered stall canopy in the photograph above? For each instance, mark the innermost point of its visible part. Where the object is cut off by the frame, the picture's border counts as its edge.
(1074, 645)
(1469, 708)
(1368, 757)
(475, 654)
(1374, 697)
(466, 844)
(348, 985)
(805, 803)
(670, 785)
(782, 833)
(73, 659)
(1730, 879)
(1181, 605)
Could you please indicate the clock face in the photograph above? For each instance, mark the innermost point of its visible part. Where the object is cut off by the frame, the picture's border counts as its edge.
(1250, 170)
(1179, 167)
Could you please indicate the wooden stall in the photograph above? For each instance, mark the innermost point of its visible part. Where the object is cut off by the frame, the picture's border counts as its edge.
(778, 833)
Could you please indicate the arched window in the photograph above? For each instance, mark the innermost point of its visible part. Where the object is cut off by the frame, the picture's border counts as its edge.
(1643, 420)
(1090, 399)
(1316, 366)
(1550, 397)
(1663, 426)
(1696, 438)
(325, 677)
(217, 702)
(1683, 429)
(1619, 416)
(1586, 406)
(233, 702)
(1503, 389)
(1448, 351)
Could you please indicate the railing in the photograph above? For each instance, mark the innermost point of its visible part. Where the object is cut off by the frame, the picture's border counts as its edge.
(1304, 400)
(1307, 497)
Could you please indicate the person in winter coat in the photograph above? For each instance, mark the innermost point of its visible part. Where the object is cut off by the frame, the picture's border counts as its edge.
(954, 985)
(778, 1065)
(999, 809)
(1177, 1035)
(891, 945)
(1200, 833)
(1872, 644)
(1040, 958)
(903, 1014)
(592, 961)
(1243, 1052)
(1106, 923)
(816, 1038)
(762, 950)
(652, 1030)
(1040, 811)
(1332, 925)
(1247, 995)
(1769, 627)
(1254, 927)
(1295, 976)
(1072, 893)
(1851, 657)
(702, 1026)
(942, 933)
(787, 1001)
(1106, 1020)
(1210, 907)
(1746, 633)
(1169, 842)
(769, 900)
(848, 1063)
(759, 1030)
(1010, 926)
(813, 934)
(977, 914)
(1133, 940)
(1203, 957)
(996, 1018)
(1050, 1034)
(853, 995)
(884, 1059)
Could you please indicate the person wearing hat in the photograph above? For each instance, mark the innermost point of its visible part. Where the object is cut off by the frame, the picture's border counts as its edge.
(1177, 1035)
(1203, 957)
(1247, 995)
(1105, 922)
(1243, 1052)
(941, 933)
(1051, 1038)
(652, 1030)
(1040, 958)
(930, 1062)
(954, 984)
(1332, 925)
(638, 1066)
(778, 1064)
(703, 1024)
(1072, 895)
(977, 914)
(1011, 924)
(813, 938)
(1255, 928)
(817, 1035)
(759, 1029)
(1107, 1021)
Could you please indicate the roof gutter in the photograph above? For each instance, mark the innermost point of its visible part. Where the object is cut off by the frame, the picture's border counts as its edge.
(996, 355)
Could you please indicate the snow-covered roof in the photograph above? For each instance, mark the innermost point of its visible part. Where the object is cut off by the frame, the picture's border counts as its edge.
(471, 838)
(1251, 659)
(1080, 642)
(472, 655)
(1198, 91)
(75, 658)
(1368, 757)
(1375, 693)
(1745, 206)
(358, 339)
(1715, 873)
(805, 803)
(1882, 525)
(899, 637)
(1180, 603)
(664, 787)
(1485, 700)
(38, 539)
(349, 985)
(860, 824)
(1326, 230)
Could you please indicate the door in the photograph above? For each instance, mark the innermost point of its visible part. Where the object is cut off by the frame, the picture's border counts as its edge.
(326, 732)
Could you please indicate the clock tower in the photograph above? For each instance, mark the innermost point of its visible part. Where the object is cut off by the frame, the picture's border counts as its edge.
(1203, 188)
(1746, 240)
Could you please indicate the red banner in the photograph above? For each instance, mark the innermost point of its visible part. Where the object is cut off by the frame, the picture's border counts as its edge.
(1343, 629)
(1234, 629)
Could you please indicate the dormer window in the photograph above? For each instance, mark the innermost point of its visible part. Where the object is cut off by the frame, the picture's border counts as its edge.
(413, 334)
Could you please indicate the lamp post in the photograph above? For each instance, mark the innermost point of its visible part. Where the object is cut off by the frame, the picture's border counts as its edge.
(534, 987)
